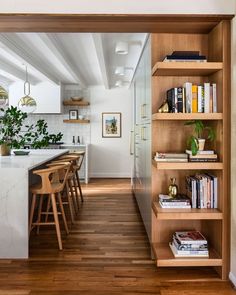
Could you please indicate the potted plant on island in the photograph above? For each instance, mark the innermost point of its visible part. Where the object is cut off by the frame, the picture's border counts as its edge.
(196, 142)
(15, 134)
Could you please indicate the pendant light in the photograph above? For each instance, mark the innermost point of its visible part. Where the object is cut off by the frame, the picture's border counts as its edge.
(27, 103)
(3, 96)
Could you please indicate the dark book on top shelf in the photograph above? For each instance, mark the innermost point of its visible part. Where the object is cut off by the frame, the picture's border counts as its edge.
(185, 56)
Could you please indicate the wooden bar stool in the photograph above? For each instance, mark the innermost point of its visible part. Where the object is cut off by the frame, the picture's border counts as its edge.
(68, 191)
(51, 186)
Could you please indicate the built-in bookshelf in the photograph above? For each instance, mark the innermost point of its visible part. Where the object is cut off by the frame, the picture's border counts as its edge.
(169, 134)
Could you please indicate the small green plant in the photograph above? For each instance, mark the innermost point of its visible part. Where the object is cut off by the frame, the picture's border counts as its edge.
(199, 129)
(15, 134)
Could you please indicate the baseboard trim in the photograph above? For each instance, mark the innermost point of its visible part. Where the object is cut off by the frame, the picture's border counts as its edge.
(232, 278)
(110, 175)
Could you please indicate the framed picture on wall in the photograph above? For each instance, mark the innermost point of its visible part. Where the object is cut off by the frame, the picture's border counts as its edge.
(111, 125)
(73, 114)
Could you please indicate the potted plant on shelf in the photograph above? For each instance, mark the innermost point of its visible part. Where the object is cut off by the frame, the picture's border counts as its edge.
(15, 134)
(196, 142)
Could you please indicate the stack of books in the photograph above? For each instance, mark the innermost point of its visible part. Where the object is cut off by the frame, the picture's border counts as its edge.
(178, 202)
(189, 244)
(189, 56)
(171, 157)
(191, 98)
(202, 189)
(202, 156)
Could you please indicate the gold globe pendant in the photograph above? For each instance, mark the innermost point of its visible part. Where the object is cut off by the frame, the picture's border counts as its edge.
(3, 96)
(27, 104)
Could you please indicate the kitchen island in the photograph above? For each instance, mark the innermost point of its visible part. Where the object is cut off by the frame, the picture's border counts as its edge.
(15, 179)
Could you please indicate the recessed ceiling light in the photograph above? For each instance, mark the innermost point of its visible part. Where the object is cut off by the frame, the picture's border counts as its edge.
(119, 83)
(122, 48)
(120, 71)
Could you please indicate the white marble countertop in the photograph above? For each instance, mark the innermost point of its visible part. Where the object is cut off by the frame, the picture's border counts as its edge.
(34, 159)
(73, 145)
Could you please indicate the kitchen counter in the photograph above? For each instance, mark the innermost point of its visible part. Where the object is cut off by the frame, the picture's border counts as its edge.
(15, 178)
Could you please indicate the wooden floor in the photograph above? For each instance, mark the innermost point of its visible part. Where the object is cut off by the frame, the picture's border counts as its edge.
(107, 252)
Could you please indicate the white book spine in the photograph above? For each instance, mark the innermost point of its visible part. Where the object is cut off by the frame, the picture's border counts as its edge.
(188, 97)
(206, 97)
(214, 98)
(215, 193)
(212, 193)
(199, 98)
(176, 99)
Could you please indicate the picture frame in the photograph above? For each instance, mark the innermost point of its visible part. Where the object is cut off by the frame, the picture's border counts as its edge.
(111, 125)
(73, 114)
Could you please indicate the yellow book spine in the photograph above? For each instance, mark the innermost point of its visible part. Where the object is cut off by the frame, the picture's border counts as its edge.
(194, 98)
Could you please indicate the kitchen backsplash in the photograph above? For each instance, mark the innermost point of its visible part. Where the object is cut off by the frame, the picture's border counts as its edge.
(55, 121)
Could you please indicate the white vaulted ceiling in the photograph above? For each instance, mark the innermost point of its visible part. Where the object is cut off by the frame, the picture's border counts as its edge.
(69, 58)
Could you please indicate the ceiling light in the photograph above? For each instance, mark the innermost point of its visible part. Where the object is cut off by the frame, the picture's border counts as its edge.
(122, 48)
(120, 71)
(27, 103)
(119, 83)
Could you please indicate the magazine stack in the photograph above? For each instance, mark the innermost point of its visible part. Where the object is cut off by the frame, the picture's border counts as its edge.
(189, 244)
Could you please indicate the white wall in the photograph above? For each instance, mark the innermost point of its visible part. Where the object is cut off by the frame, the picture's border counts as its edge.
(233, 157)
(109, 157)
(119, 6)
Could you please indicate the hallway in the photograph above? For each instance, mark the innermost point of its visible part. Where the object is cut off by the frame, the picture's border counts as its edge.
(106, 252)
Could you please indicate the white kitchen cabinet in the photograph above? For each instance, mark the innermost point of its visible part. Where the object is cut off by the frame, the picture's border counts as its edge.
(83, 173)
(48, 96)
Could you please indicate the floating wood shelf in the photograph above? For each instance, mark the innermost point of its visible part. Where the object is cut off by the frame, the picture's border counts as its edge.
(77, 121)
(165, 257)
(75, 103)
(188, 165)
(185, 214)
(186, 116)
(186, 68)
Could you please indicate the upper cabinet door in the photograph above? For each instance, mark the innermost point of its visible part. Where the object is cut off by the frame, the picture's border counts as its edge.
(47, 96)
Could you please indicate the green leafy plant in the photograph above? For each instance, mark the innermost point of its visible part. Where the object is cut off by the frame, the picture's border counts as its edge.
(199, 129)
(15, 134)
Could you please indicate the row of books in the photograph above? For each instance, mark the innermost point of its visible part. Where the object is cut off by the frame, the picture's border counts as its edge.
(189, 56)
(202, 189)
(189, 244)
(192, 98)
(179, 202)
(201, 156)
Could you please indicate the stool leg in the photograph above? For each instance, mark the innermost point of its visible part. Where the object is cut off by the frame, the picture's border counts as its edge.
(73, 197)
(39, 212)
(32, 212)
(76, 191)
(62, 212)
(70, 203)
(80, 190)
(55, 213)
(47, 208)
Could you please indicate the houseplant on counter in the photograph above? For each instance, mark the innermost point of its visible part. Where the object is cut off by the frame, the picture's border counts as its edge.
(15, 134)
(196, 142)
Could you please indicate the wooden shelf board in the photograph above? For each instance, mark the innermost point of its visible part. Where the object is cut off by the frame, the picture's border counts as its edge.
(165, 258)
(77, 121)
(188, 166)
(187, 116)
(75, 103)
(186, 68)
(186, 214)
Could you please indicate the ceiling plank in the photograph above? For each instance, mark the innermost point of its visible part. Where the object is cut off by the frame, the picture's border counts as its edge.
(16, 72)
(97, 39)
(56, 46)
(13, 43)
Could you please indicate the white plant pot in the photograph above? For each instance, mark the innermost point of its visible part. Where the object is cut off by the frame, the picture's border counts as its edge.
(201, 144)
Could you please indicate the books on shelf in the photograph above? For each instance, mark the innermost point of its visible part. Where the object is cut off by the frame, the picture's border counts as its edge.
(185, 56)
(191, 98)
(179, 202)
(202, 189)
(171, 157)
(189, 244)
(202, 156)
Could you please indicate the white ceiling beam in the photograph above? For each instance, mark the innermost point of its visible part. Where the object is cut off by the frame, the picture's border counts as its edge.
(13, 43)
(16, 72)
(56, 46)
(97, 39)
(5, 81)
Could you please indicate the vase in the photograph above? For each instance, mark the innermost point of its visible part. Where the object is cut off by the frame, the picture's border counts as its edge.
(201, 144)
(5, 150)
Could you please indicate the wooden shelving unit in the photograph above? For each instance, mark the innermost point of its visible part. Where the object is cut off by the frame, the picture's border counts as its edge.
(186, 116)
(81, 103)
(169, 134)
(77, 121)
(186, 68)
